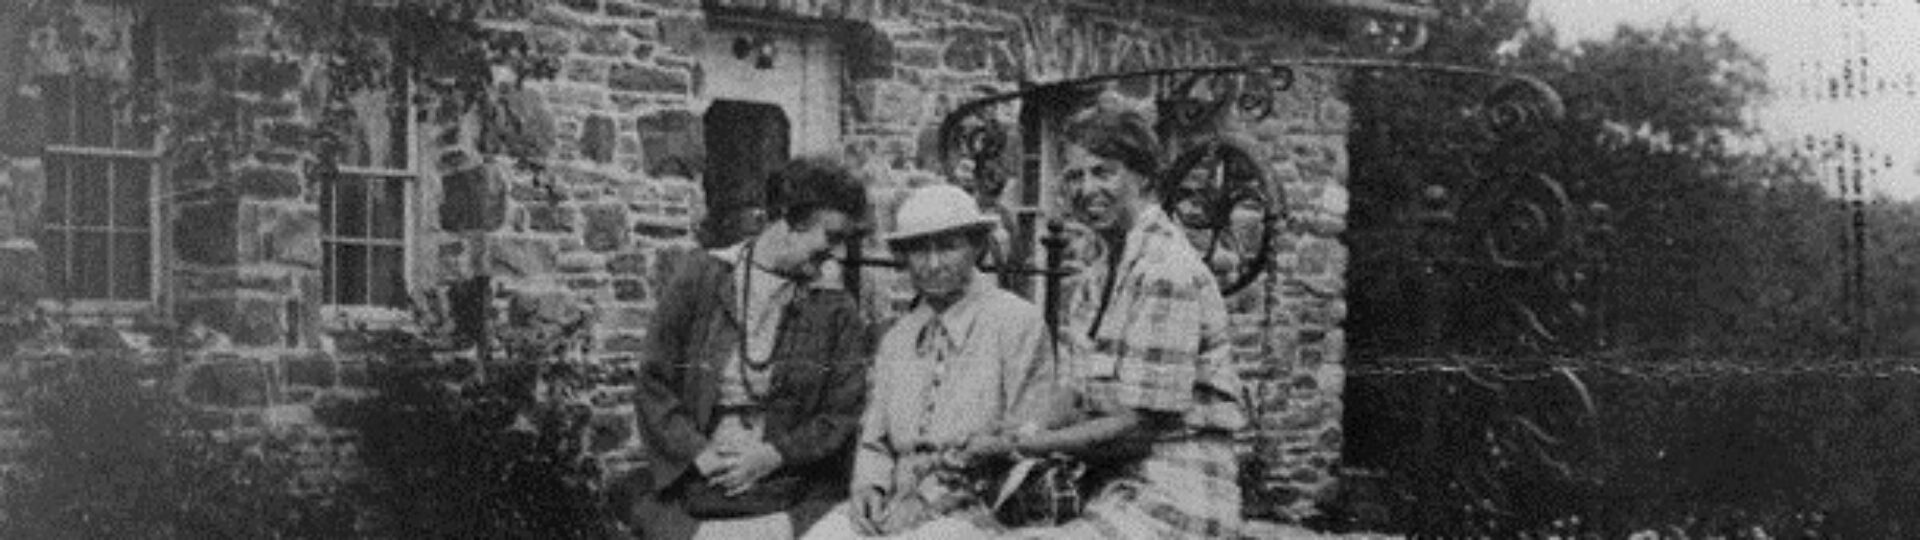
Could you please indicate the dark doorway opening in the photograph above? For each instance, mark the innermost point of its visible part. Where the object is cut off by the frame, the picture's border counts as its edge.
(745, 142)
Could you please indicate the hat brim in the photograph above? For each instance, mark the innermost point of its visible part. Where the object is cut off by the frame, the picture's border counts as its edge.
(981, 223)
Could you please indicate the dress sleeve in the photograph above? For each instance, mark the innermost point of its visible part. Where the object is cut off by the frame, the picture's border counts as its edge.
(664, 420)
(873, 459)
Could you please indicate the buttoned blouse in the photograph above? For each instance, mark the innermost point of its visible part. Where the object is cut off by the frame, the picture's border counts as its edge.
(940, 377)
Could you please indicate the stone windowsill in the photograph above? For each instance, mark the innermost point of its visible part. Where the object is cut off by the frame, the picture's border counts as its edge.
(111, 311)
(338, 318)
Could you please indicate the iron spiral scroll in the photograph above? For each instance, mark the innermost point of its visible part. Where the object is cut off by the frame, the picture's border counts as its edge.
(1509, 239)
(1218, 183)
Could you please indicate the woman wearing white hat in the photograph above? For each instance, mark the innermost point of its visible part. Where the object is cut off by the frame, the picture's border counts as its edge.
(965, 365)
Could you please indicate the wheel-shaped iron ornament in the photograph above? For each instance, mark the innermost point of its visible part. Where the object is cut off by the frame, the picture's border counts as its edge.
(1520, 221)
(1221, 193)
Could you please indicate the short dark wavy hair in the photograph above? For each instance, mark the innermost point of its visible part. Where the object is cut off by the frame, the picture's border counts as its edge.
(1119, 133)
(809, 184)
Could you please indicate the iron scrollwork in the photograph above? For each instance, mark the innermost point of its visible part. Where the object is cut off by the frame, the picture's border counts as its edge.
(1515, 242)
(1218, 186)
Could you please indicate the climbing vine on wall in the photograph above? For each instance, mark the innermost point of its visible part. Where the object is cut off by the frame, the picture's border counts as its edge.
(225, 65)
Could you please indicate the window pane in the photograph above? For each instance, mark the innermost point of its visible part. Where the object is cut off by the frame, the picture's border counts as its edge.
(59, 105)
(328, 272)
(350, 276)
(90, 193)
(327, 195)
(55, 208)
(53, 252)
(140, 131)
(387, 285)
(372, 144)
(95, 112)
(350, 207)
(91, 261)
(388, 207)
(130, 178)
(131, 266)
(397, 111)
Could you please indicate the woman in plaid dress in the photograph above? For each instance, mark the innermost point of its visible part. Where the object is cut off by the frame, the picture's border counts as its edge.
(1149, 353)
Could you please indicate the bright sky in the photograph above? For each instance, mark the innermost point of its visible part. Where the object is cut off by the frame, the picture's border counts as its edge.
(1804, 43)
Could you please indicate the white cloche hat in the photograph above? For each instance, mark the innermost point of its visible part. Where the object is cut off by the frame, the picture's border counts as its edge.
(935, 209)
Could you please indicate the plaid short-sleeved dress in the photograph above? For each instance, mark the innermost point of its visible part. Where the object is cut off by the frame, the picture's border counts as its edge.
(1160, 345)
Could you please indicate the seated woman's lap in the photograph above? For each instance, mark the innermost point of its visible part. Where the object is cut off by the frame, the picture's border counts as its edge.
(837, 526)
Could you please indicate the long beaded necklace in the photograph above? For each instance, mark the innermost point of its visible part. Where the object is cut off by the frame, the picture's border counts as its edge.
(746, 267)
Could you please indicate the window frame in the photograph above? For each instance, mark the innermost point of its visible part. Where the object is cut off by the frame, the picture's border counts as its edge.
(147, 48)
(336, 315)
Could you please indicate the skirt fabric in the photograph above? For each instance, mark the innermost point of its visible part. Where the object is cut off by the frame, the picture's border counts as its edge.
(1185, 489)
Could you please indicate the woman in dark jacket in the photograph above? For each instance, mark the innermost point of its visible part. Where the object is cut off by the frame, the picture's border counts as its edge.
(754, 376)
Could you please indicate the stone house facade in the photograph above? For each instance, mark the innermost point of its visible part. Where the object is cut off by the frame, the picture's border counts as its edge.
(647, 141)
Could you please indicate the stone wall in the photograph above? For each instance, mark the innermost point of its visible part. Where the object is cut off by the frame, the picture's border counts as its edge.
(1288, 337)
(578, 189)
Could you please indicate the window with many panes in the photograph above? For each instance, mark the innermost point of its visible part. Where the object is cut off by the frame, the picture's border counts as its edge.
(97, 220)
(364, 205)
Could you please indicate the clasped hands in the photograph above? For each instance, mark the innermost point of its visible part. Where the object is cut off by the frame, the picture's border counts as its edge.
(736, 466)
(921, 496)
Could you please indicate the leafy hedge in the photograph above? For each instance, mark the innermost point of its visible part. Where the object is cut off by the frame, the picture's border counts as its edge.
(1824, 449)
(473, 427)
(112, 454)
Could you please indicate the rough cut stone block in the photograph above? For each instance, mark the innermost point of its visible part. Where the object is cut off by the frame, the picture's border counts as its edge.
(606, 41)
(629, 264)
(626, 317)
(969, 51)
(473, 200)
(583, 6)
(597, 139)
(577, 262)
(585, 71)
(683, 35)
(606, 227)
(23, 189)
(671, 143)
(227, 381)
(630, 290)
(205, 232)
(258, 322)
(587, 286)
(920, 56)
(887, 102)
(552, 218)
(638, 78)
(626, 9)
(26, 132)
(280, 233)
(550, 41)
(624, 342)
(313, 370)
(518, 125)
(268, 75)
(22, 275)
(521, 257)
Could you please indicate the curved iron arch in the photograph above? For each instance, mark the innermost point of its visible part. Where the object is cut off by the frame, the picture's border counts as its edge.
(970, 131)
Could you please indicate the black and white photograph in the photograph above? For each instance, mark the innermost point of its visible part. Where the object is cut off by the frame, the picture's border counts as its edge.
(960, 269)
